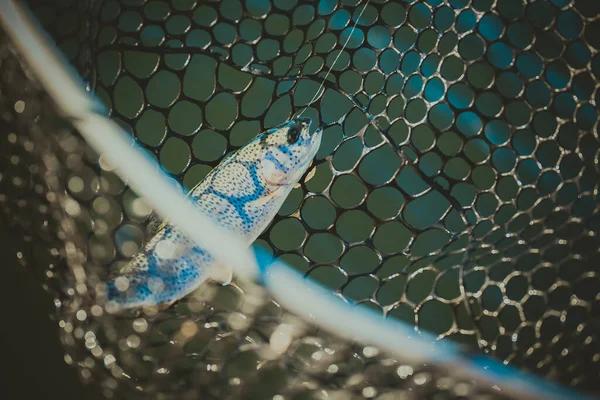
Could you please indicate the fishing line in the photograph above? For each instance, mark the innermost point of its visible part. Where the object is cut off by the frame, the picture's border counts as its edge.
(335, 60)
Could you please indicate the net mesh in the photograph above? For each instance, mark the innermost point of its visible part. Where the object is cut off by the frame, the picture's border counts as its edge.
(456, 187)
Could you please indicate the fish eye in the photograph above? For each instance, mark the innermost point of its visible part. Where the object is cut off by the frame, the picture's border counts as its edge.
(293, 134)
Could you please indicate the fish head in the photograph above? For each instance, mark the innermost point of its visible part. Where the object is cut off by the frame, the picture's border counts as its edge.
(285, 152)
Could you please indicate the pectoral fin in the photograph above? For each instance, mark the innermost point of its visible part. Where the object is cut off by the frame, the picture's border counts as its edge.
(263, 200)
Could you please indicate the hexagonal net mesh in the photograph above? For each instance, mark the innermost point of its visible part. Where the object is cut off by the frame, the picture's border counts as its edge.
(456, 187)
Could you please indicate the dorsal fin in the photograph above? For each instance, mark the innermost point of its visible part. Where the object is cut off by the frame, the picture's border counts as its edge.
(155, 224)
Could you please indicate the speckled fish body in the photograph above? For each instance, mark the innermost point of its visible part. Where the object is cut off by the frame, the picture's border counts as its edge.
(242, 194)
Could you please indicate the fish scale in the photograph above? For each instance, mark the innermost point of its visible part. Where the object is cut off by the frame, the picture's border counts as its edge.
(242, 194)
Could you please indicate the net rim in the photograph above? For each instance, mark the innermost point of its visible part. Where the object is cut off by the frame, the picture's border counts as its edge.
(301, 296)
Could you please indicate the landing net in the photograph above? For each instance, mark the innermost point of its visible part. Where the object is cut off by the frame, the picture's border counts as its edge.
(456, 188)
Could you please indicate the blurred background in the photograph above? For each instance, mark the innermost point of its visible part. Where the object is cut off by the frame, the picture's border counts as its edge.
(32, 364)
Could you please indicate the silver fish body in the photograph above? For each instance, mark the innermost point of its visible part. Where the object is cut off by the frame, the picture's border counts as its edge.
(242, 194)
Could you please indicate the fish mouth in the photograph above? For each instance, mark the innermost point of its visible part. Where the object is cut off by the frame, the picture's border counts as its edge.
(318, 131)
(315, 139)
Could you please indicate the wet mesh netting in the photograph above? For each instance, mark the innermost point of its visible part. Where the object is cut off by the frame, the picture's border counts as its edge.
(456, 187)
